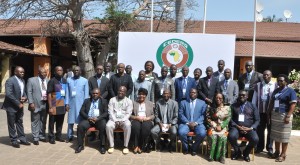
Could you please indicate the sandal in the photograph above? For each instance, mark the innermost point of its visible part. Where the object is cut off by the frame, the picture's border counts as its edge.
(280, 159)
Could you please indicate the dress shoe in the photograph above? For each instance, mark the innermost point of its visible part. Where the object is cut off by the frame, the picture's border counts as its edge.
(102, 150)
(36, 143)
(59, 139)
(270, 153)
(15, 144)
(258, 151)
(25, 143)
(69, 140)
(235, 156)
(79, 149)
(125, 151)
(194, 153)
(43, 140)
(246, 158)
(52, 141)
(110, 150)
(185, 152)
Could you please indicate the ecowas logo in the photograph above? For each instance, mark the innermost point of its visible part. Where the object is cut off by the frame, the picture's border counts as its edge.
(174, 51)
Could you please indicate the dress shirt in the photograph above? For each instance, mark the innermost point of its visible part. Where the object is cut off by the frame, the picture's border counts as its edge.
(21, 84)
(94, 105)
(142, 110)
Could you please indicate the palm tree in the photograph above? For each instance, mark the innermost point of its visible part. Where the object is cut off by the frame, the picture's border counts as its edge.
(180, 10)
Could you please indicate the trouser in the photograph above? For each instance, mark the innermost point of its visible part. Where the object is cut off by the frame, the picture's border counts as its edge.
(111, 126)
(218, 146)
(38, 124)
(15, 125)
(140, 131)
(58, 120)
(84, 125)
(261, 134)
(156, 130)
(251, 137)
(200, 132)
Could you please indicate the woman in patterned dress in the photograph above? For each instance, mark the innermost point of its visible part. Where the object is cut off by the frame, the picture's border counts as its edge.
(282, 106)
(217, 120)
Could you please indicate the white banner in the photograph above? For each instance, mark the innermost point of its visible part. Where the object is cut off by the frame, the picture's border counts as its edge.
(192, 49)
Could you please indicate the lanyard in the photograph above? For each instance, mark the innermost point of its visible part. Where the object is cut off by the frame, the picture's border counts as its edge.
(242, 107)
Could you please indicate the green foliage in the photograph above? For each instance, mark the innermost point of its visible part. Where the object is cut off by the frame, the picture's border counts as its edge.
(294, 76)
(296, 123)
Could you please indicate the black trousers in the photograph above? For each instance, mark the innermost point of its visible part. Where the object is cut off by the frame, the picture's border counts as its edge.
(261, 134)
(251, 136)
(58, 120)
(15, 125)
(140, 132)
(84, 125)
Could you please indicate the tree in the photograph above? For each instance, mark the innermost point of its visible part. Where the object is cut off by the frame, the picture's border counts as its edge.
(180, 10)
(272, 19)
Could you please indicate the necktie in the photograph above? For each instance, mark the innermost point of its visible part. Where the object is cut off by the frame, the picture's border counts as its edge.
(99, 82)
(225, 84)
(43, 85)
(192, 111)
(92, 110)
(165, 121)
(208, 83)
(184, 83)
(248, 77)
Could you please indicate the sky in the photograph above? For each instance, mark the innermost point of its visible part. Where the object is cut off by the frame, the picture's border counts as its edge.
(243, 10)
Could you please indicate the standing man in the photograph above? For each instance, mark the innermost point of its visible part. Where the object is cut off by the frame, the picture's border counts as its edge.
(229, 88)
(261, 99)
(208, 86)
(191, 118)
(244, 122)
(248, 79)
(119, 110)
(128, 70)
(99, 81)
(107, 70)
(79, 91)
(220, 73)
(120, 79)
(173, 71)
(142, 83)
(57, 92)
(94, 114)
(161, 83)
(166, 117)
(37, 99)
(183, 85)
(15, 96)
(197, 75)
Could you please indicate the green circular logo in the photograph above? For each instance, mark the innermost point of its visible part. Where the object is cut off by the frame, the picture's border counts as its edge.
(174, 51)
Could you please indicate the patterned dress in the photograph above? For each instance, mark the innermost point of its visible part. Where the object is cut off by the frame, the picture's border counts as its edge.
(217, 140)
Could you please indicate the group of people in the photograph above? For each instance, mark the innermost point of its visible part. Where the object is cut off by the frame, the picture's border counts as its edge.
(149, 108)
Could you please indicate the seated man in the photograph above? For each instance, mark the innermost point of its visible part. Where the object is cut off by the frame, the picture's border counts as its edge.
(94, 114)
(244, 121)
(191, 116)
(166, 116)
(119, 110)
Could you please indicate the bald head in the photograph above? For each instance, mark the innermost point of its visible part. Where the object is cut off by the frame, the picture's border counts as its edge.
(19, 72)
(42, 73)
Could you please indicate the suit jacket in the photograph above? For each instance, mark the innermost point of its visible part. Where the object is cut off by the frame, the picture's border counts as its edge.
(149, 109)
(13, 95)
(85, 108)
(216, 74)
(255, 78)
(109, 74)
(185, 111)
(172, 115)
(158, 85)
(207, 92)
(104, 85)
(34, 92)
(231, 93)
(178, 88)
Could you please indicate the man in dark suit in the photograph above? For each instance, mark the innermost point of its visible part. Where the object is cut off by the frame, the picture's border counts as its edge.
(220, 73)
(229, 88)
(107, 70)
(37, 99)
(161, 83)
(166, 117)
(191, 118)
(15, 96)
(94, 114)
(183, 85)
(99, 81)
(208, 86)
(244, 122)
(248, 79)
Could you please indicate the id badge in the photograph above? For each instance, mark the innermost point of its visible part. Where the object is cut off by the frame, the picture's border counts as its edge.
(241, 117)
(264, 98)
(96, 112)
(247, 86)
(73, 93)
(44, 95)
(183, 91)
(276, 104)
(62, 92)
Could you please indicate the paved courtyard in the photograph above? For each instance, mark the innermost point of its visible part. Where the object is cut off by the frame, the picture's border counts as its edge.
(63, 153)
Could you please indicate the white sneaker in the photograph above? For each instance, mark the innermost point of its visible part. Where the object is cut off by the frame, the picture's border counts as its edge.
(110, 150)
(125, 151)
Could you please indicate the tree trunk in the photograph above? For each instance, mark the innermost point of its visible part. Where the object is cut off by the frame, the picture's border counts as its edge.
(180, 10)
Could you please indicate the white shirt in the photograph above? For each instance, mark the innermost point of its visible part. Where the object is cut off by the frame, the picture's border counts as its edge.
(21, 84)
(142, 110)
